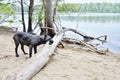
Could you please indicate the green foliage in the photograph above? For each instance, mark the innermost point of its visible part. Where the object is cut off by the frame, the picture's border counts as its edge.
(91, 7)
(6, 9)
(37, 14)
(21, 21)
(5, 27)
(10, 21)
(62, 8)
(40, 16)
(68, 7)
(5, 12)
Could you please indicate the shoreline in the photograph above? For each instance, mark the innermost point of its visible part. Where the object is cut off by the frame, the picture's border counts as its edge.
(89, 14)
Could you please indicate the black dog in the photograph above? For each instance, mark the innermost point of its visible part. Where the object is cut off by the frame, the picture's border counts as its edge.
(30, 40)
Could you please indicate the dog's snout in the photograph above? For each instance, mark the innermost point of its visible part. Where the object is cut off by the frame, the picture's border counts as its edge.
(51, 42)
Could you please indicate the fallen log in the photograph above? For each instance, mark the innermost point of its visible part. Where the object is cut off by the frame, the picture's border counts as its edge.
(33, 65)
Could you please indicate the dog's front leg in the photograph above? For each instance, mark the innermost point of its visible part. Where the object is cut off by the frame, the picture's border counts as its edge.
(35, 49)
(30, 51)
(22, 47)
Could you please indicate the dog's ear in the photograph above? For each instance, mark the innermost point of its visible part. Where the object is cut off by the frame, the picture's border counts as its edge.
(51, 42)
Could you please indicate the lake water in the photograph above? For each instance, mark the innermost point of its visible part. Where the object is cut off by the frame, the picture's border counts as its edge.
(96, 25)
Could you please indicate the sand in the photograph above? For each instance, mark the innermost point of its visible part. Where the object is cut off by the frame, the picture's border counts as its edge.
(70, 63)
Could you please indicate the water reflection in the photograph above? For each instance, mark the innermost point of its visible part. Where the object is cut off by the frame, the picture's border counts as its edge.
(101, 19)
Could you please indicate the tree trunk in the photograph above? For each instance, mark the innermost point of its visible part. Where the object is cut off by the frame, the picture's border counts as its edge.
(30, 15)
(48, 16)
(22, 13)
(55, 10)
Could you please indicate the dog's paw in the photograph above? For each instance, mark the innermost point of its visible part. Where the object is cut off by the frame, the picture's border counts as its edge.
(25, 53)
(17, 55)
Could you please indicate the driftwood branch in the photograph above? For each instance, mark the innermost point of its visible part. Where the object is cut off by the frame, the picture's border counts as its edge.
(79, 42)
(88, 38)
(93, 49)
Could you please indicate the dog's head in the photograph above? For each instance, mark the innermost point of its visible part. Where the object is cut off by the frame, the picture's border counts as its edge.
(46, 38)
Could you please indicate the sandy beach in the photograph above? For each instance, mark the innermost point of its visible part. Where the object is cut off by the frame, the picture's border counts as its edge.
(70, 63)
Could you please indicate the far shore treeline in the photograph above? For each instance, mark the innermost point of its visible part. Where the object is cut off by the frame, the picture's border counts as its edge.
(86, 7)
(91, 7)
(72, 7)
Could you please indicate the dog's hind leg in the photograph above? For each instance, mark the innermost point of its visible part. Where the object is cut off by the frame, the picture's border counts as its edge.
(16, 49)
(22, 47)
(16, 40)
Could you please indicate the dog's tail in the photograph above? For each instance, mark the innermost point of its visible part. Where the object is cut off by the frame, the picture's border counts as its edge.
(16, 39)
